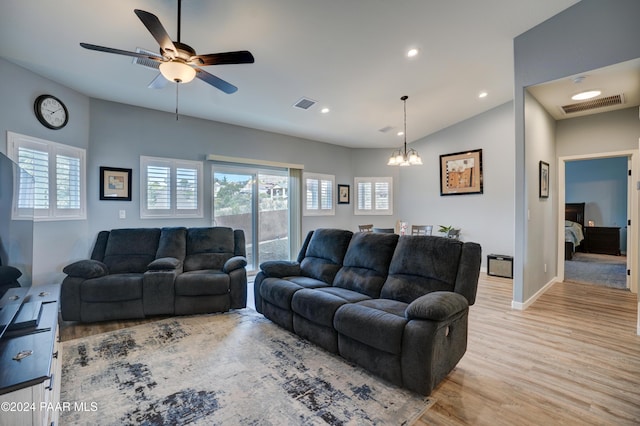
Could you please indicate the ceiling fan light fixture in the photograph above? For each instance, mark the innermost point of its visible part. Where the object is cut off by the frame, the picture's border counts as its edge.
(177, 72)
(588, 94)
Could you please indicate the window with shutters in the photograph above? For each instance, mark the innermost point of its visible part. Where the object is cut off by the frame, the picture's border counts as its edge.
(318, 190)
(170, 188)
(373, 196)
(52, 181)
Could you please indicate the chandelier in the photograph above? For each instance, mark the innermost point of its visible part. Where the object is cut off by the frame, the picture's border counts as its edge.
(404, 157)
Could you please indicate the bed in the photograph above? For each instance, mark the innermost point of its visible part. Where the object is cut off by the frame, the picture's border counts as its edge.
(573, 228)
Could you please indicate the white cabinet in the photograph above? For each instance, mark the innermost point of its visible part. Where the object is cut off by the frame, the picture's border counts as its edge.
(30, 367)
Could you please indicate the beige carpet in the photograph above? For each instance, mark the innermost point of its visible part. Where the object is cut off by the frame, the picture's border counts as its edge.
(236, 368)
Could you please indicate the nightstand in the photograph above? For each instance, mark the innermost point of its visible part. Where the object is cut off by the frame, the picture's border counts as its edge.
(601, 239)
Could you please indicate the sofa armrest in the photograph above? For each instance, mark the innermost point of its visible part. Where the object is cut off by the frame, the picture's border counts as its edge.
(86, 269)
(9, 274)
(280, 268)
(436, 306)
(236, 262)
(164, 264)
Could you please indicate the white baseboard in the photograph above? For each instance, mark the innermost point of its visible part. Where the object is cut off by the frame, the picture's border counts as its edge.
(521, 306)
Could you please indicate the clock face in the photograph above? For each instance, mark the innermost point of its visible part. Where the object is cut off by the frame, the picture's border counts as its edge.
(51, 112)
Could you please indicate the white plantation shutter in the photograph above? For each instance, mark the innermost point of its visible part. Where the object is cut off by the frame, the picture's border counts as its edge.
(374, 196)
(35, 163)
(170, 188)
(67, 182)
(186, 188)
(158, 187)
(318, 190)
(52, 179)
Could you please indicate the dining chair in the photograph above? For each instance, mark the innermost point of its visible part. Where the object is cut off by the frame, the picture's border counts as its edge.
(421, 229)
(365, 228)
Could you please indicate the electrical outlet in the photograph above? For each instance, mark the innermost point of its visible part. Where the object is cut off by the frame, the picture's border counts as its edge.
(545, 267)
(123, 214)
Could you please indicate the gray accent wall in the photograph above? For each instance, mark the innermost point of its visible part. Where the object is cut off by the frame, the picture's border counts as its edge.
(562, 46)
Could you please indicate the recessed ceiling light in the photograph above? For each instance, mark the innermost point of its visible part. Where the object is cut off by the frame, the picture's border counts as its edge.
(483, 94)
(412, 52)
(400, 133)
(325, 110)
(586, 95)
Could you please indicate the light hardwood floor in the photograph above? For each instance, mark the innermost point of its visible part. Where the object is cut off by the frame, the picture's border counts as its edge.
(572, 358)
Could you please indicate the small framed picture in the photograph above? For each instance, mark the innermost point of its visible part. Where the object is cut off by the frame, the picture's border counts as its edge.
(343, 194)
(544, 180)
(115, 184)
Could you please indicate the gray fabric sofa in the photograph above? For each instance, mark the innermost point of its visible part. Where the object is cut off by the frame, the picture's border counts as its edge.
(397, 306)
(140, 272)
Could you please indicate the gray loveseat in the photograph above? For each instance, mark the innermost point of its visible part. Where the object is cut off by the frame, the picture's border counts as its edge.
(397, 306)
(138, 272)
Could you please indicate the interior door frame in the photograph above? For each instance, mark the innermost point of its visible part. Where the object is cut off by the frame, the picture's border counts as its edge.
(632, 213)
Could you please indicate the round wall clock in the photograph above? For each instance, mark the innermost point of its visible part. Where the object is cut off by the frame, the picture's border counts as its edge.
(51, 112)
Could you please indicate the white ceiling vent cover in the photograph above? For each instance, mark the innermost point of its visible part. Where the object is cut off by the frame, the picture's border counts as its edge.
(304, 103)
(147, 63)
(607, 101)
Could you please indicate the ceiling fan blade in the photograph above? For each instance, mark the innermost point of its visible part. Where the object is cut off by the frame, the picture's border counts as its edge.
(239, 57)
(121, 52)
(158, 32)
(215, 81)
(158, 83)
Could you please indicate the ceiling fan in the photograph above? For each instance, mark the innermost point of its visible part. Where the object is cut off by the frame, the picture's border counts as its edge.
(178, 62)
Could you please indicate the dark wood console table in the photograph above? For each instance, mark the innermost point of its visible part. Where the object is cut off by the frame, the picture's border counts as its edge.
(601, 239)
(30, 365)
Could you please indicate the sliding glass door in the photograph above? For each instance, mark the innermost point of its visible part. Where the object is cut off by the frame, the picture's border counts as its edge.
(256, 201)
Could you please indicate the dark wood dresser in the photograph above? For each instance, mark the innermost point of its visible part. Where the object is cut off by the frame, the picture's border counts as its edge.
(602, 239)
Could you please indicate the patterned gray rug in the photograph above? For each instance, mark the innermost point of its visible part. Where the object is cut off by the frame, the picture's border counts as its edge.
(592, 268)
(236, 368)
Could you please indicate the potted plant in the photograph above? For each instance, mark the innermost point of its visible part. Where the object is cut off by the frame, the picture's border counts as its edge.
(449, 231)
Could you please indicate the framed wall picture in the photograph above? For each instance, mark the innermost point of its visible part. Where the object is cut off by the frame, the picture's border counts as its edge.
(461, 173)
(544, 179)
(115, 184)
(344, 194)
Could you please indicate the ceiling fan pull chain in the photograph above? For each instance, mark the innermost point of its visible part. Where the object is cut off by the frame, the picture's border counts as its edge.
(177, 84)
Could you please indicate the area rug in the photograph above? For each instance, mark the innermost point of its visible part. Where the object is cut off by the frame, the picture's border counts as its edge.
(236, 368)
(591, 268)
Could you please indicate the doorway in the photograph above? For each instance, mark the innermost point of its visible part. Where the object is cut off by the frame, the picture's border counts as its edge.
(256, 201)
(610, 266)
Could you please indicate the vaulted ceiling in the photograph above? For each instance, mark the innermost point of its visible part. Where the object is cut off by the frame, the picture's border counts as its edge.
(348, 56)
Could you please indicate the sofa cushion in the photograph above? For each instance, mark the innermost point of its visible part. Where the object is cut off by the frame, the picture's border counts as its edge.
(131, 250)
(319, 305)
(365, 322)
(86, 268)
(202, 283)
(278, 292)
(420, 265)
(173, 243)
(325, 253)
(112, 288)
(208, 248)
(366, 263)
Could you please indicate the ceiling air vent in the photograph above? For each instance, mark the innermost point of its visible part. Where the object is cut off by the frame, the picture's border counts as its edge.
(386, 129)
(304, 103)
(593, 104)
(147, 63)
